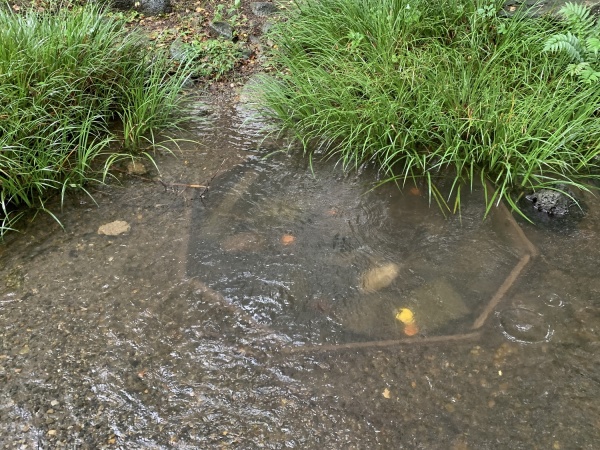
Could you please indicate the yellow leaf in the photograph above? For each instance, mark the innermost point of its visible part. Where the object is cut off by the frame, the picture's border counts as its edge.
(405, 316)
(386, 393)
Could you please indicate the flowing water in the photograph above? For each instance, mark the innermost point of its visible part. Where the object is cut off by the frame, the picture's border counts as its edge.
(273, 310)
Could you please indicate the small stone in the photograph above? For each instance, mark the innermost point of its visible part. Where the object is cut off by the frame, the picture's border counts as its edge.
(52, 432)
(25, 428)
(378, 278)
(54, 403)
(114, 228)
(24, 350)
(136, 168)
(222, 29)
(262, 9)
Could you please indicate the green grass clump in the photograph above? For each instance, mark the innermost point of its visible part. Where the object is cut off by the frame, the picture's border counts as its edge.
(68, 77)
(435, 90)
(213, 58)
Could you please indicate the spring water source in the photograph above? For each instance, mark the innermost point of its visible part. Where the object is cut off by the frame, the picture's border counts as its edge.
(264, 313)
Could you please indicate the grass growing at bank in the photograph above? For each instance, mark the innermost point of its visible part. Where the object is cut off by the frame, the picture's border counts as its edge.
(431, 90)
(67, 78)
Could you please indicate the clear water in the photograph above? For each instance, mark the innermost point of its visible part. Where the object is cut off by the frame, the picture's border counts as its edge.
(249, 315)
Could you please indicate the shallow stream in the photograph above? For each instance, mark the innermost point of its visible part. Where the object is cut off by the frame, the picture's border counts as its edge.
(263, 312)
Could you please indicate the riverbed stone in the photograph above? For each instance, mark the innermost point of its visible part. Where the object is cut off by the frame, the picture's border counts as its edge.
(437, 303)
(136, 168)
(114, 228)
(243, 242)
(378, 278)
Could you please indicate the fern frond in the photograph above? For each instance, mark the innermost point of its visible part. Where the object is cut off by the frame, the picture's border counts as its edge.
(576, 69)
(579, 17)
(567, 43)
(592, 45)
(589, 75)
(584, 71)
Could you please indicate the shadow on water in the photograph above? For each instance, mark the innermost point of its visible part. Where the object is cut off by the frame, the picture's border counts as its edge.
(250, 317)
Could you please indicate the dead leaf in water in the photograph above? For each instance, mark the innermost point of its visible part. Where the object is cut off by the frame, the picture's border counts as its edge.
(287, 239)
(411, 329)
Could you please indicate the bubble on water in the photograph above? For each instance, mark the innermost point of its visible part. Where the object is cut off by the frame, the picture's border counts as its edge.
(554, 300)
(525, 326)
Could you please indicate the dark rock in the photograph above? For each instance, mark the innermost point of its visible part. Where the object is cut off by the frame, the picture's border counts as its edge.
(222, 29)
(262, 9)
(146, 7)
(552, 202)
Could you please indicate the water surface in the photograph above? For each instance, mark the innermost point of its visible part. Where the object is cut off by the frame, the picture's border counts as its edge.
(240, 316)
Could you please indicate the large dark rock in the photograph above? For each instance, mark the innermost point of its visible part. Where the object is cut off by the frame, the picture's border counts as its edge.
(146, 7)
(552, 202)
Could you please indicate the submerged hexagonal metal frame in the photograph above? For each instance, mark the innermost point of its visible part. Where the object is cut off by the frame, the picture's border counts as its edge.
(476, 329)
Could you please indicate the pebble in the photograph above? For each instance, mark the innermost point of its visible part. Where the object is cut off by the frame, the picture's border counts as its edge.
(136, 168)
(114, 228)
(378, 278)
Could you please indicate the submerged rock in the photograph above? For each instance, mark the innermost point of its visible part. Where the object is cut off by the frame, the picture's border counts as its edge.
(552, 202)
(243, 242)
(378, 278)
(114, 228)
(438, 303)
(136, 168)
